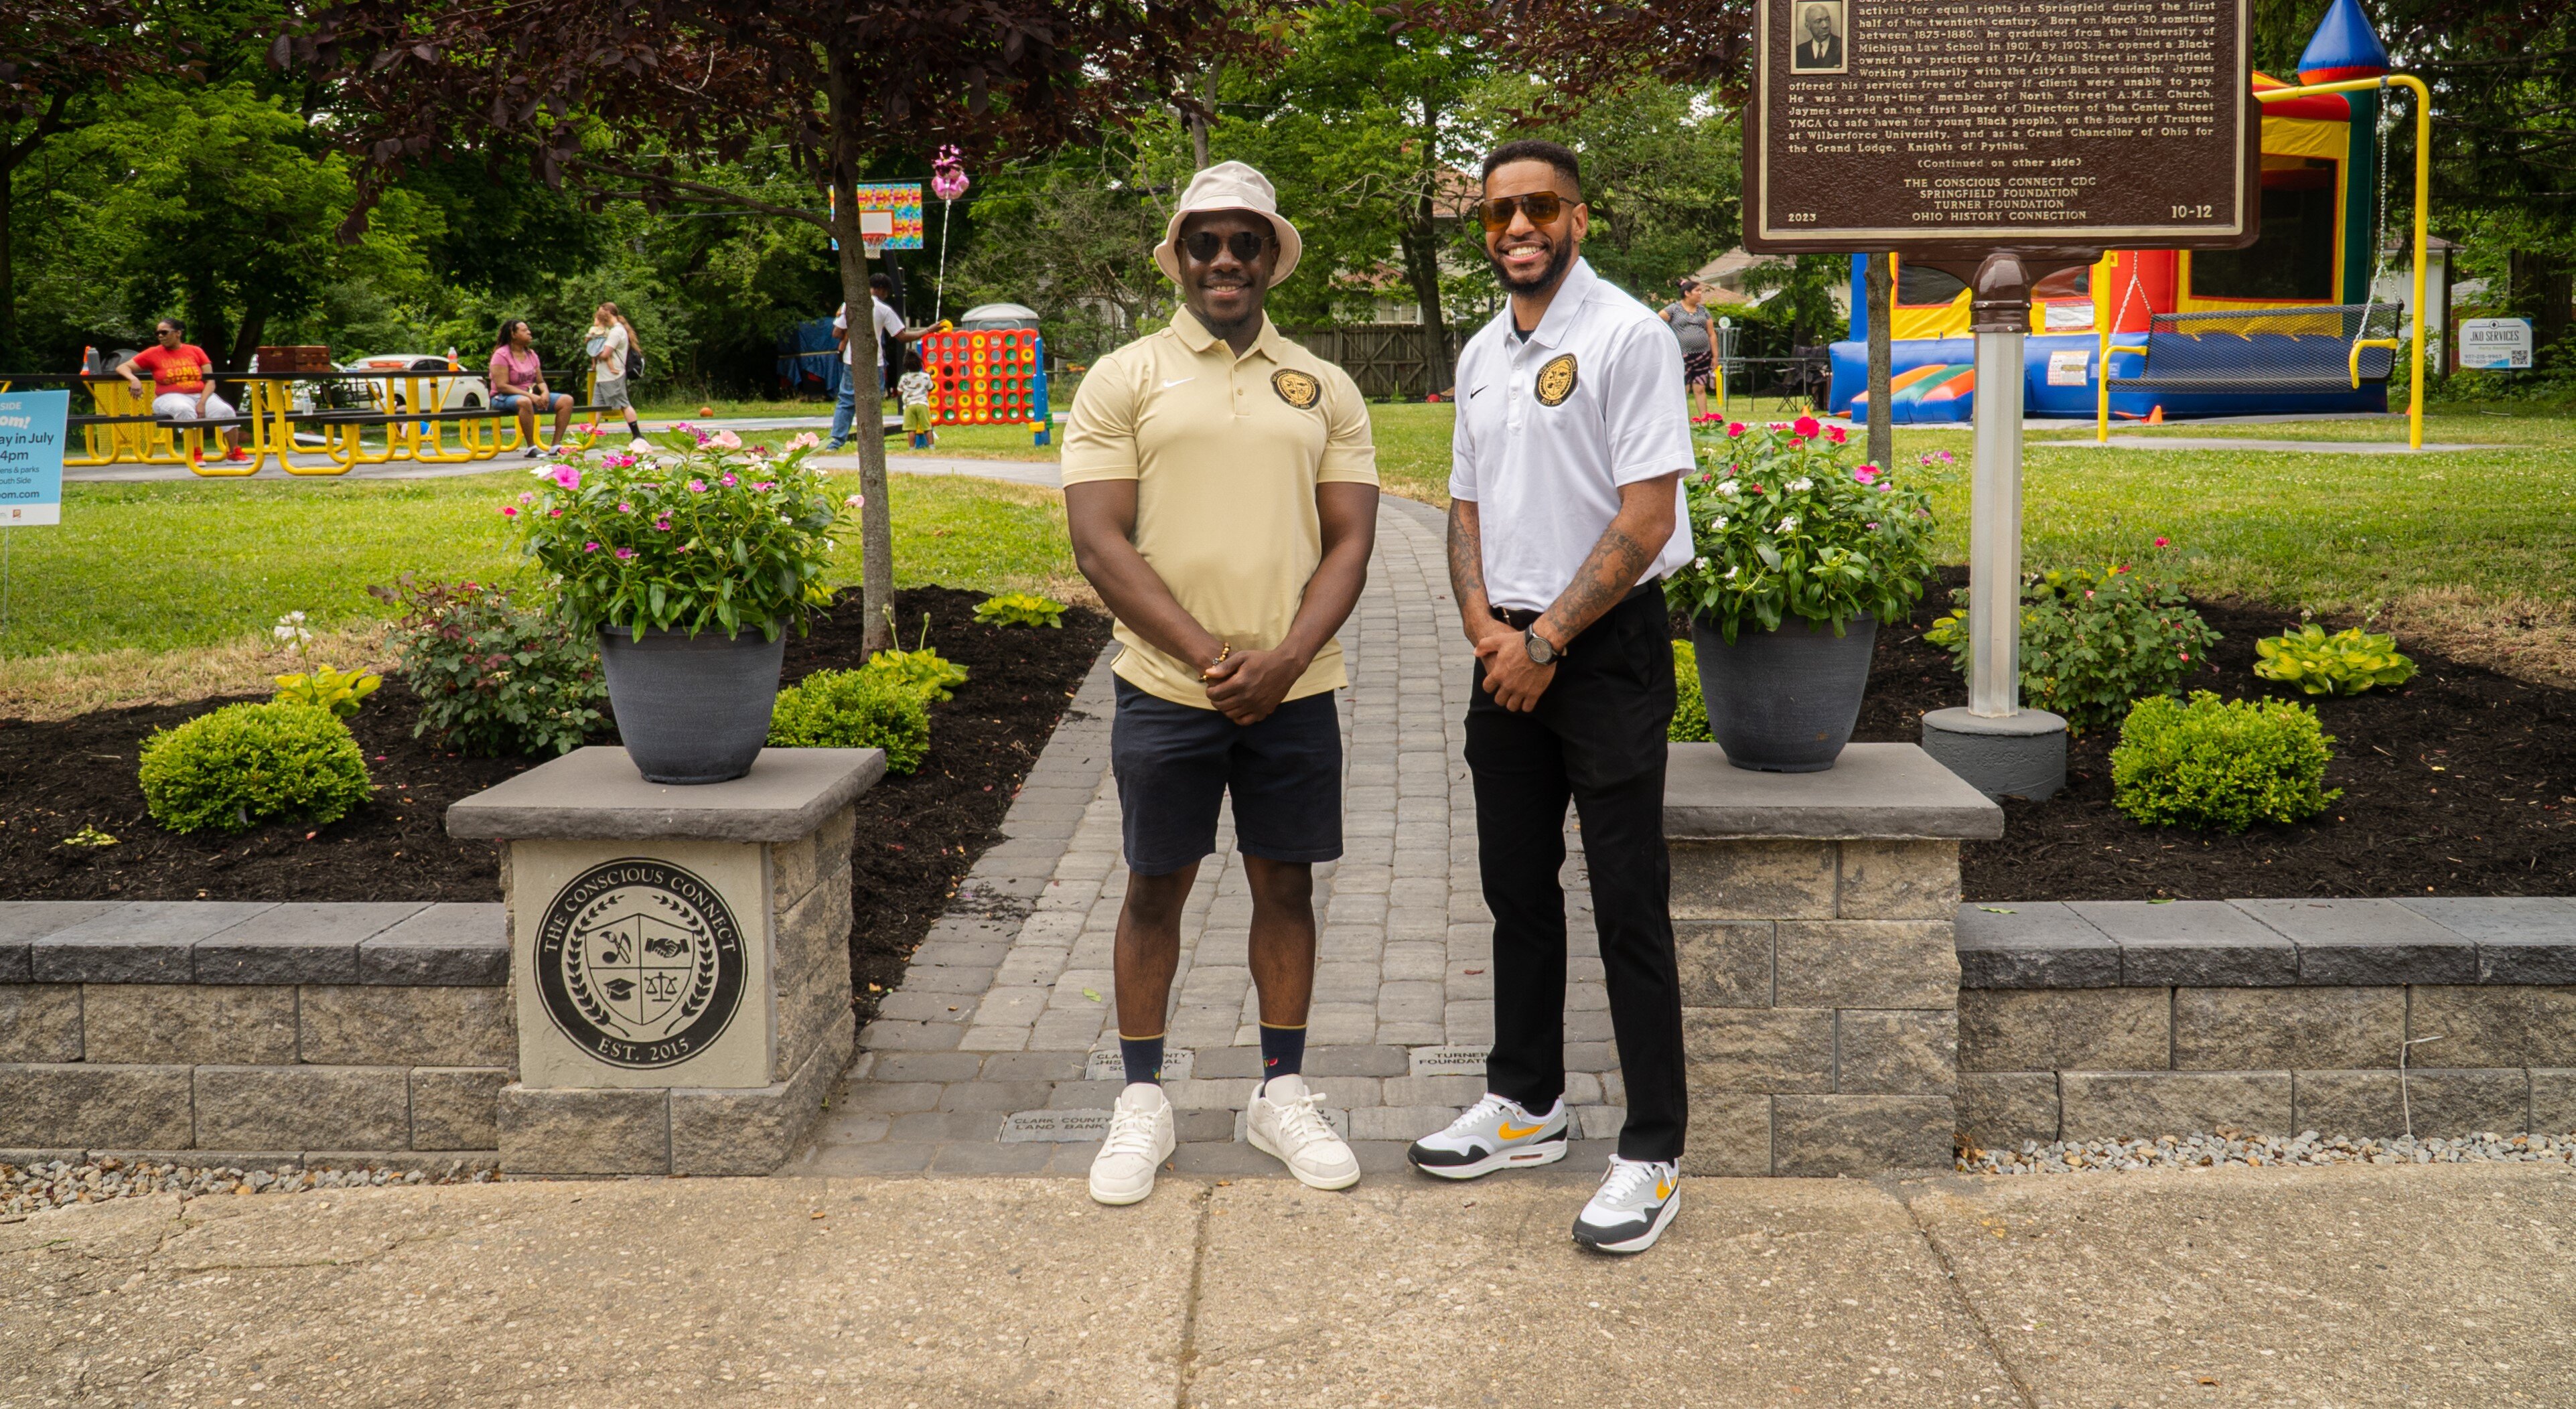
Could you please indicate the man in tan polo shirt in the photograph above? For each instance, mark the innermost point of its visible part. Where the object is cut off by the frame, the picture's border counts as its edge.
(1221, 489)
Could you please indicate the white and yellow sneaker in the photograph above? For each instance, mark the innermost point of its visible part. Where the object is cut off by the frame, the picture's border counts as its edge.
(1284, 1122)
(1635, 1203)
(1495, 1133)
(1140, 1139)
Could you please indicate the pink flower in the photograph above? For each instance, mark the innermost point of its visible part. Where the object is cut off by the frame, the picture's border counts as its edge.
(626, 552)
(509, 511)
(625, 508)
(2186, 655)
(1865, 473)
(1805, 427)
(1734, 429)
(726, 440)
(697, 486)
(527, 496)
(728, 481)
(856, 501)
(1836, 434)
(567, 476)
(590, 547)
(2162, 541)
(663, 523)
(554, 513)
(806, 441)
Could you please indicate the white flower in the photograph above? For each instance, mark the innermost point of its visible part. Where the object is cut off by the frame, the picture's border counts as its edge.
(1718, 524)
(1727, 488)
(1730, 574)
(541, 472)
(1702, 565)
(1801, 485)
(1787, 524)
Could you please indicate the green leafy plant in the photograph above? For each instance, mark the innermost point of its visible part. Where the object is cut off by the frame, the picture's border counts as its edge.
(340, 692)
(2222, 764)
(1784, 528)
(921, 669)
(700, 533)
(245, 763)
(494, 677)
(853, 709)
(1690, 708)
(2345, 663)
(2092, 642)
(1019, 609)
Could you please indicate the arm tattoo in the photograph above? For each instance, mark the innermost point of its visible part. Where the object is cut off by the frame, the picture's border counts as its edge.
(1607, 574)
(1466, 558)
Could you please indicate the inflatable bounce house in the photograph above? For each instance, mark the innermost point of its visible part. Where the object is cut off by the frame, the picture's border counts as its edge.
(2264, 330)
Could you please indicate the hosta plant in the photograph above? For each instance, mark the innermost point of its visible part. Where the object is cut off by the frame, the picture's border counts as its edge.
(1783, 527)
(1020, 609)
(2345, 663)
(696, 533)
(339, 691)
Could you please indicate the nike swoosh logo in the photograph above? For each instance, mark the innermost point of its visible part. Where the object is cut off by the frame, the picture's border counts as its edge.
(1167, 386)
(1476, 393)
(1664, 1191)
(1512, 1132)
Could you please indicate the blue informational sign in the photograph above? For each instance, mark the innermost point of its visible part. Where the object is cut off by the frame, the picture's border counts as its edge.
(31, 456)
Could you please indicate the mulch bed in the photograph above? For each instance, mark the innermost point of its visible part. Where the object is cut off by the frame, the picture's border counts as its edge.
(917, 835)
(2462, 782)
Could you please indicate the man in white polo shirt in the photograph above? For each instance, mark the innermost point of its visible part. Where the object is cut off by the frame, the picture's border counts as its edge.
(1565, 513)
(1221, 490)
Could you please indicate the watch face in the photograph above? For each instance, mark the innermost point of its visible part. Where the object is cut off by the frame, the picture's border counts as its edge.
(1539, 650)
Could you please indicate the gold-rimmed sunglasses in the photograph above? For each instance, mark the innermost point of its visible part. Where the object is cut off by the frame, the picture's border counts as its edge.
(1542, 208)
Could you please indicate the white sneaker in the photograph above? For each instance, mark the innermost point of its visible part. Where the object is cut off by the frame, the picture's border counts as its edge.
(1283, 1122)
(1140, 1139)
(1635, 1203)
(1495, 1133)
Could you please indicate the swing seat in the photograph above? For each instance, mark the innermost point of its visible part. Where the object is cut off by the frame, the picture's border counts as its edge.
(2252, 351)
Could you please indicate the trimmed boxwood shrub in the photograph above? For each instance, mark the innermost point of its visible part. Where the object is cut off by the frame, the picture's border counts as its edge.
(246, 763)
(853, 709)
(1690, 709)
(2221, 764)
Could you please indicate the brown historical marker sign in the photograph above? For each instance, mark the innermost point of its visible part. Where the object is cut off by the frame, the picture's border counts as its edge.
(1954, 127)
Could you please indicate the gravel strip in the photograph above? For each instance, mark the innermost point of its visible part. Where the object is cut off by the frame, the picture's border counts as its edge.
(2257, 1151)
(43, 1186)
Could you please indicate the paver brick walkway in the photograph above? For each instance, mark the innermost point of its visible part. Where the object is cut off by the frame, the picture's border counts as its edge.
(998, 1052)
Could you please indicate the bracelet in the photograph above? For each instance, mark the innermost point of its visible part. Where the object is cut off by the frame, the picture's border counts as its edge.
(1223, 650)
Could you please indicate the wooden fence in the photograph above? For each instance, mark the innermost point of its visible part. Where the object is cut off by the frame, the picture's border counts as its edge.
(1386, 359)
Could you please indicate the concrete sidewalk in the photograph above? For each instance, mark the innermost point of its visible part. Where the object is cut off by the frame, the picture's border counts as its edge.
(2352, 1287)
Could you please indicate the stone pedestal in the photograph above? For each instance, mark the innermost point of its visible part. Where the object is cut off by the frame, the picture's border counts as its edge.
(679, 958)
(1814, 914)
(2020, 755)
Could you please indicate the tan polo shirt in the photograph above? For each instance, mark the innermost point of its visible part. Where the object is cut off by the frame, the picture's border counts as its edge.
(1226, 452)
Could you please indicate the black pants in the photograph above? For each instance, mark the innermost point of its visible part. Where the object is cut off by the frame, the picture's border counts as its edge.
(1598, 738)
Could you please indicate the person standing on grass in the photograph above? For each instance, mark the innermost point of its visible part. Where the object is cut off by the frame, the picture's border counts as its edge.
(1565, 512)
(1697, 333)
(182, 389)
(611, 339)
(519, 384)
(890, 334)
(1221, 489)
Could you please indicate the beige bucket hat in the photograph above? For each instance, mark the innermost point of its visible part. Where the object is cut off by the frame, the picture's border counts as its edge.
(1230, 185)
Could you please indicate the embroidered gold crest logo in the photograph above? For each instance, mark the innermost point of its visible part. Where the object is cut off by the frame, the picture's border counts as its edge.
(1556, 380)
(1298, 389)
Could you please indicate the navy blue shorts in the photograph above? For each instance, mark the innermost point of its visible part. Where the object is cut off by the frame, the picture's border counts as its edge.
(1176, 762)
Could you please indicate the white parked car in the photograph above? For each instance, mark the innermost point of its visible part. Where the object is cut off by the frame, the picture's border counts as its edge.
(458, 391)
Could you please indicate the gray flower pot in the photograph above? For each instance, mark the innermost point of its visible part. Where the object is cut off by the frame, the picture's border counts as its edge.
(691, 710)
(1784, 701)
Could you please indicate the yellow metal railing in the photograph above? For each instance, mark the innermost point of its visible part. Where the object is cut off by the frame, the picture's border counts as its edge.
(2423, 189)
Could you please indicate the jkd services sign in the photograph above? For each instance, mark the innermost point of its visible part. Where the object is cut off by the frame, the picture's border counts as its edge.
(31, 456)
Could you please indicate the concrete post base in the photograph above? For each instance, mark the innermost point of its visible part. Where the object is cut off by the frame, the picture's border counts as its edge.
(2021, 755)
(679, 959)
(1814, 915)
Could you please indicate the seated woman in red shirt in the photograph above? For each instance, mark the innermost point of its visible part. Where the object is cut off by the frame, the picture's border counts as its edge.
(519, 384)
(181, 390)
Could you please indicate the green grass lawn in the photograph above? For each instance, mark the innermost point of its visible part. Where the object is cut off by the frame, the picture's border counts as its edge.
(167, 566)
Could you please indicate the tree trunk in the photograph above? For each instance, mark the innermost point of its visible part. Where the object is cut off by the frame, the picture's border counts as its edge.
(876, 521)
(1882, 361)
(254, 327)
(2540, 287)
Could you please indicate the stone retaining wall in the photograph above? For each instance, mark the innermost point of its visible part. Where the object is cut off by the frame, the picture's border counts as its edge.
(2133, 1019)
(253, 1033)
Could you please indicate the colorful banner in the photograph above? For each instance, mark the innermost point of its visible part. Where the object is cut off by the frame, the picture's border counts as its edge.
(31, 457)
(901, 199)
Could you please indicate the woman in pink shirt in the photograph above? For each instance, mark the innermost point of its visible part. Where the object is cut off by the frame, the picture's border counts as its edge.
(519, 384)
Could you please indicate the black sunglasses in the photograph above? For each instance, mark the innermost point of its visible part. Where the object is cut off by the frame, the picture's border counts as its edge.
(1542, 208)
(1246, 244)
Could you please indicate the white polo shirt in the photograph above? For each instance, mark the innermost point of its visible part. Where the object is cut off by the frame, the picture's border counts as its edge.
(1551, 427)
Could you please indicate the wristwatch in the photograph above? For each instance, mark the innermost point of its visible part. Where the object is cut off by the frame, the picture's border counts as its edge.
(1540, 652)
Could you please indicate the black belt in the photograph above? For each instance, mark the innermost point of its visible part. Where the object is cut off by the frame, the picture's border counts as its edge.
(1520, 619)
